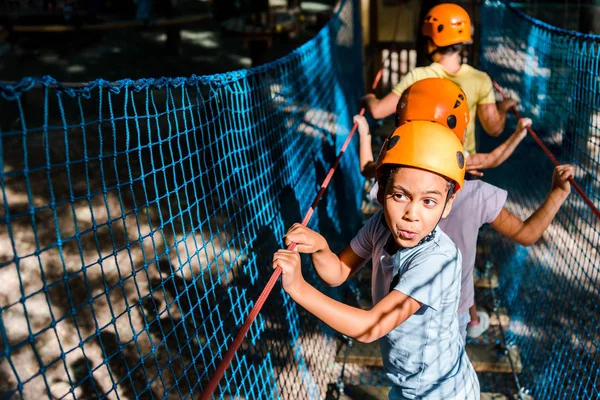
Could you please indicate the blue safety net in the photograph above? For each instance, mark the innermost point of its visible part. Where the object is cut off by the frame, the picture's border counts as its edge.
(138, 221)
(551, 289)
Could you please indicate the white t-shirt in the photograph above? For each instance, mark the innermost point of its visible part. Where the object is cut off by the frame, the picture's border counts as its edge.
(424, 356)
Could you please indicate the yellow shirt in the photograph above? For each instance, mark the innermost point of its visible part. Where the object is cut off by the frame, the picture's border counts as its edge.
(476, 84)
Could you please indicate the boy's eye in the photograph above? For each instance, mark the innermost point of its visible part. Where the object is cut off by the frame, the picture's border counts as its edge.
(430, 202)
(398, 196)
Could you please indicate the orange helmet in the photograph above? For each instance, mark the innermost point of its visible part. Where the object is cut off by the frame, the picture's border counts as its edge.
(425, 145)
(435, 99)
(447, 24)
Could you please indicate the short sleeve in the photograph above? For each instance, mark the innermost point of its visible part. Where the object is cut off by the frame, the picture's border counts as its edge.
(408, 80)
(429, 277)
(492, 200)
(363, 242)
(486, 91)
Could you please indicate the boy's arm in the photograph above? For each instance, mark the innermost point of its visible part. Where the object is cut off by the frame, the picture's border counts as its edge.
(493, 117)
(362, 325)
(479, 161)
(367, 164)
(529, 231)
(331, 268)
(335, 270)
(380, 108)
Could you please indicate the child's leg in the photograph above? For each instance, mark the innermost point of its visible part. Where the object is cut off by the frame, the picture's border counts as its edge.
(473, 313)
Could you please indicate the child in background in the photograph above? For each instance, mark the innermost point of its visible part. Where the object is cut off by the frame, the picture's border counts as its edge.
(448, 28)
(416, 268)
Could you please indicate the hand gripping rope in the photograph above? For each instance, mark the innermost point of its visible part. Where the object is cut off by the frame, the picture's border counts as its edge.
(551, 156)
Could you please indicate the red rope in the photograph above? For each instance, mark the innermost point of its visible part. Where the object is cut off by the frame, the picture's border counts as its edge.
(214, 380)
(551, 156)
(224, 364)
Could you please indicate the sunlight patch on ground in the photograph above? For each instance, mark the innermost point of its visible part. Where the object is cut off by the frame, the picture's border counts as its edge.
(76, 69)
(205, 39)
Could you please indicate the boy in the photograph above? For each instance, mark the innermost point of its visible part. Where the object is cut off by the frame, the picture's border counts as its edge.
(479, 202)
(448, 27)
(416, 268)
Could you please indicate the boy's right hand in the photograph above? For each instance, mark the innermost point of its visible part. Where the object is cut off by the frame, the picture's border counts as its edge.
(522, 126)
(307, 240)
(561, 176)
(363, 125)
(506, 104)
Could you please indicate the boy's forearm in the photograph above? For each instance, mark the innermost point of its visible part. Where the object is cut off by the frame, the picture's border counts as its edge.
(498, 126)
(381, 108)
(492, 119)
(505, 150)
(350, 321)
(328, 267)
(538, 222)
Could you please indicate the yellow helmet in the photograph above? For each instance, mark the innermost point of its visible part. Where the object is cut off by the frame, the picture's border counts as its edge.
(428, 146)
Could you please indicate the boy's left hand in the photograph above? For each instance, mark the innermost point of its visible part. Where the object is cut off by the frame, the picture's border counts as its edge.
(363, 125)
(561, 176)
(291, 276)
(476, 162)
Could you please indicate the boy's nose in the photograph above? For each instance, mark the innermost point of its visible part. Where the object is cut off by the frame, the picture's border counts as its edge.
(411, 213)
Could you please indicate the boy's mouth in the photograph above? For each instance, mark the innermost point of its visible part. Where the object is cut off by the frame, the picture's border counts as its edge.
(407, 235)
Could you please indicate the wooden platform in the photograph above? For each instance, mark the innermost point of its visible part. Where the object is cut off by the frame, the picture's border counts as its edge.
(485, 357)
(364, 392)
(365, 354)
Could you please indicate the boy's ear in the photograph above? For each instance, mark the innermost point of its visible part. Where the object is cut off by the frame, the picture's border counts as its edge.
(449, 206)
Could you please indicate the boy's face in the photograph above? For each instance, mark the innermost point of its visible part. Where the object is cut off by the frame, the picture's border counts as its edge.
(413, 204)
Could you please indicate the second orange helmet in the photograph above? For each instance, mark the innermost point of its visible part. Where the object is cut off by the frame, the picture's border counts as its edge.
(438, 100)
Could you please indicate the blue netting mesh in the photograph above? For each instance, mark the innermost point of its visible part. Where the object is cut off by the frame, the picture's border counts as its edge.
(139, 218)
(552, 288)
